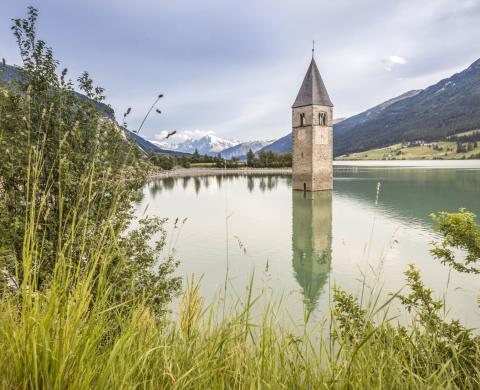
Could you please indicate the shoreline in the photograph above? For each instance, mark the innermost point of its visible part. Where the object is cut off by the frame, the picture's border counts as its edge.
(182, 172)
(338, 165)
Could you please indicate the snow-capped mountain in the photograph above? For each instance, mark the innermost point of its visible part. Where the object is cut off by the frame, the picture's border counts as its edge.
(242, 149)
(209, 144)
(163, 144)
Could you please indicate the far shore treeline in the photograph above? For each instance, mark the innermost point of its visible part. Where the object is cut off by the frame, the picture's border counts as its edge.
(264, 159)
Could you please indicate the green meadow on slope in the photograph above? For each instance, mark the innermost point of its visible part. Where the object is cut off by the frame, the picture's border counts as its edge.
(441, 150)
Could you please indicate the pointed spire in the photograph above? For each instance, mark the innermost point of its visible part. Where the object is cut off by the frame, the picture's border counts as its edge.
(313, 90)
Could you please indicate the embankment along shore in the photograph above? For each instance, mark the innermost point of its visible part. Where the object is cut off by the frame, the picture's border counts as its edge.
(182, 172)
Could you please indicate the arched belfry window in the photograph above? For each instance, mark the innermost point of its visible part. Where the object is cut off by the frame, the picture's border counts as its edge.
(322, 118)
(302, 119)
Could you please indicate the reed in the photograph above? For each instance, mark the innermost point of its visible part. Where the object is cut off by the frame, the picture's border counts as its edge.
(76, 335)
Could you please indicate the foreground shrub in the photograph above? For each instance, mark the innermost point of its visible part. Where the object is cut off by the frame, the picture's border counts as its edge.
(68, 181)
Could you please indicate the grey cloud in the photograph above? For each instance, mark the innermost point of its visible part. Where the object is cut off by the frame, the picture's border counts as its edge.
(235, 67)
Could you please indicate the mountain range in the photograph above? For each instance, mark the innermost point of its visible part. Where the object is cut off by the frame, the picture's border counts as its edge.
(213, 145)
(209, 144)
(240, 151)
(149, 147)
(450, 106)
(10, 74)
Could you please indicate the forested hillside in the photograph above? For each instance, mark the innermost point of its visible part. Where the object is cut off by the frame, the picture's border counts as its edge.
(450, 106)
(11, 77)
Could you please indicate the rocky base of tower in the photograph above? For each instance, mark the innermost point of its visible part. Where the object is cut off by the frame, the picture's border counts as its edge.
(320, 182)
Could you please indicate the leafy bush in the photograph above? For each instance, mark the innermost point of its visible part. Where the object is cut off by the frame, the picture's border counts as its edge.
(459, 231)
(72, 167)
(438, 345)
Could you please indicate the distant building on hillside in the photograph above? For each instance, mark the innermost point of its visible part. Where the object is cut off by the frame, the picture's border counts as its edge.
(312, 130)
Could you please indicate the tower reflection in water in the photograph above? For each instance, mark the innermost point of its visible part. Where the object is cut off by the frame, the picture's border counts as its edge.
(312, 242)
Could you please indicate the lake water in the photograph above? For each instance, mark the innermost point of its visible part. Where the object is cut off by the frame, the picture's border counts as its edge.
(375, 222)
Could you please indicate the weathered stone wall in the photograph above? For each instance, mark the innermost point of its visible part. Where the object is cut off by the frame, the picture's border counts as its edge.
(312, 151)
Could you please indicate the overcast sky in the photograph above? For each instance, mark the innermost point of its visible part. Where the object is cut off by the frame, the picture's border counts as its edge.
(234, 67)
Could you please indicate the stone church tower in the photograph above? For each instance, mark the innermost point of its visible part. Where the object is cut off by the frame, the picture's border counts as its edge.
(312, 133)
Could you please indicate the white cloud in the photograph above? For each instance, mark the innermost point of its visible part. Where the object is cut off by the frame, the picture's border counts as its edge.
(390, 61)
(470, 4)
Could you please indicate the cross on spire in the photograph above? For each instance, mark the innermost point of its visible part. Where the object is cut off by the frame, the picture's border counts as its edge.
(313, 49)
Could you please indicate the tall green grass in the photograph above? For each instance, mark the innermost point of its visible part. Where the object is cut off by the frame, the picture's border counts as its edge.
(75, 335)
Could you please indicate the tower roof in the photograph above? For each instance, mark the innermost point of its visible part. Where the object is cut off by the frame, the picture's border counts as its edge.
(313, 90)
